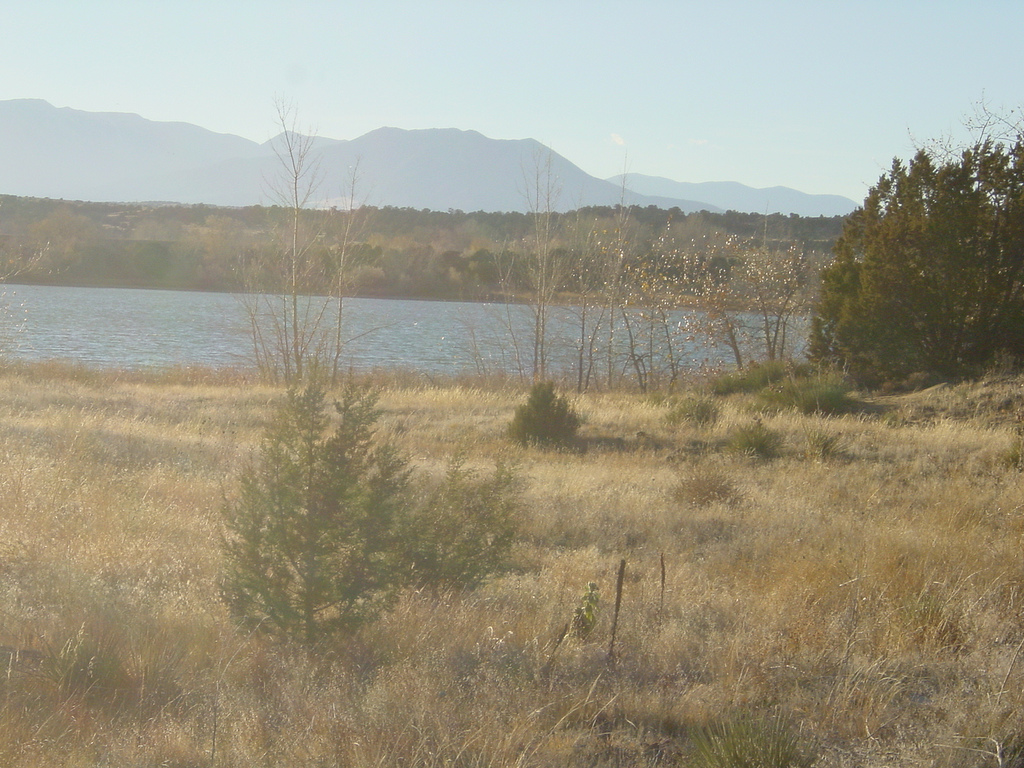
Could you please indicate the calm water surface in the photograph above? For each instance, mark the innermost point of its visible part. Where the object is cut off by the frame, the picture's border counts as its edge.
(126, 328)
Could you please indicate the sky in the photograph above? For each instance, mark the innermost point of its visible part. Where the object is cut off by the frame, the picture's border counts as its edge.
(819, 96)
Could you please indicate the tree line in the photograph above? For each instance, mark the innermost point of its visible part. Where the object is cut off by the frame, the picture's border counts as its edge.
(402, 252)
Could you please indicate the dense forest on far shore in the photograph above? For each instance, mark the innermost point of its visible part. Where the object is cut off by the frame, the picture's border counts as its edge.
(394, 252)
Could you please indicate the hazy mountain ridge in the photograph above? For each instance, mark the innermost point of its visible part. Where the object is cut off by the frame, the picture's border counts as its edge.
(119, 157)
(735, 196)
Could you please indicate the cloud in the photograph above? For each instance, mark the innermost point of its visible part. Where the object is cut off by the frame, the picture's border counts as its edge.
(618, 140)
(698, 142)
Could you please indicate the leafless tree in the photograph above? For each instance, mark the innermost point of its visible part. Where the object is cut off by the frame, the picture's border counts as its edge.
(618, 247)
(347, 225)
(747, 295)
(291, 286)
(585, 281)
(651, 317)
(547, 270)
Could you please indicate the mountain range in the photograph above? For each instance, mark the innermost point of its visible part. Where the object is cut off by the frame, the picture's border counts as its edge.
(58, 152)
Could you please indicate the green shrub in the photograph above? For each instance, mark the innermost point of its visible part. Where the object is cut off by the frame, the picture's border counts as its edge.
(756, 440)
(465, 529)
(749, 743)
(700, 411)
(784, 385)
(756, 377)
(584, 618)
(314, 542)
(817, 395)
(545, 419)
(825, 398)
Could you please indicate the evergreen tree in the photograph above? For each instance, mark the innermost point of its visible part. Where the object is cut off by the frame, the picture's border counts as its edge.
(545, 419)
(929, 274)
(313, 541)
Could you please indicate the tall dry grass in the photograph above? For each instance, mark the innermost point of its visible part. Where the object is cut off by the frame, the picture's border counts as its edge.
(870, 593)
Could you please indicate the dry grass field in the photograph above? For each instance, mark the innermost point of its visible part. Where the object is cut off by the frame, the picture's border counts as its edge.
(863, 587)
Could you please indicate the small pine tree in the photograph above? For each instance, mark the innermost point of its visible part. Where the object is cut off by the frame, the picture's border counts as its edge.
(312, 543)
(545, 419)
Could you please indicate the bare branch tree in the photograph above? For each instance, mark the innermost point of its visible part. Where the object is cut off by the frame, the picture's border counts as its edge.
(546, 270)
(352, 220)
(749, 295)
(293, 287)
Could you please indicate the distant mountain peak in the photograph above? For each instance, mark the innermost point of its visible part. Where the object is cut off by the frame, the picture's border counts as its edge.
(123, 157)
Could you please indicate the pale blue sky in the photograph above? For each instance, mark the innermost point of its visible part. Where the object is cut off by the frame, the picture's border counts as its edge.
(817, 95)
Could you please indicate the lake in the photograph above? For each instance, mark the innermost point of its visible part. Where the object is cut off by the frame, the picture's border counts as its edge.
(140, 329)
